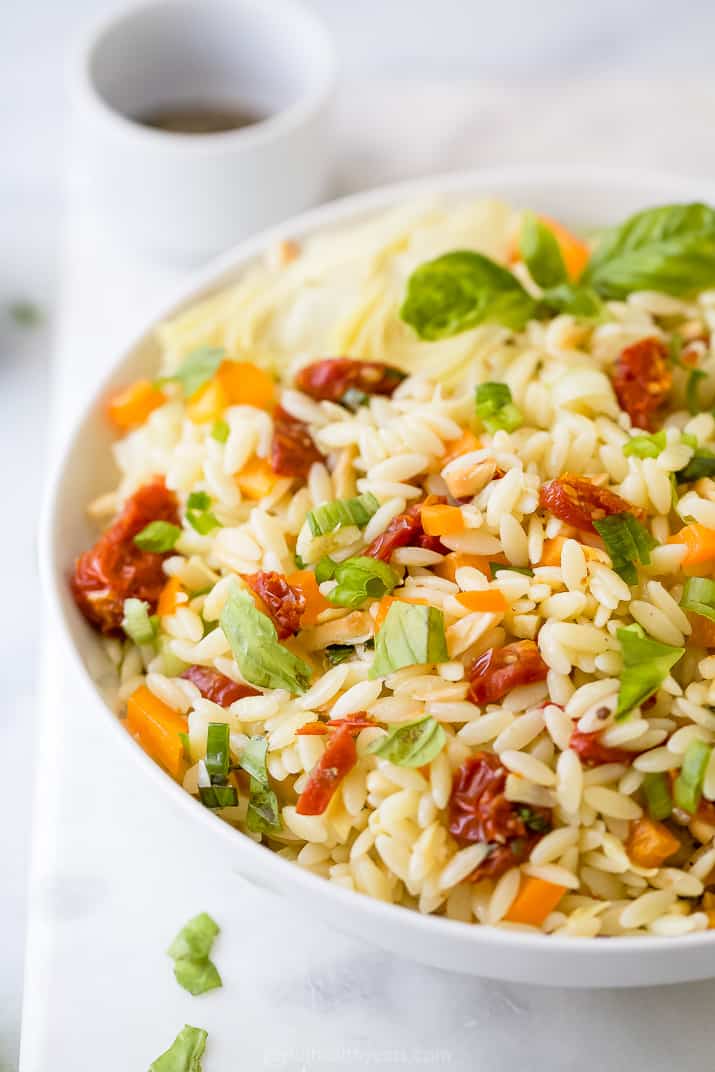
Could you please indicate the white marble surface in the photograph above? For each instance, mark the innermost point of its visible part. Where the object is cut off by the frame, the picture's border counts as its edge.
(110, 888)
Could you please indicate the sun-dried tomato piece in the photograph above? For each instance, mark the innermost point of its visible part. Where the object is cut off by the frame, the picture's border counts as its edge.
(498, 670)
(329, 379)
(337, 760)
(292, 448)
(217, 687)
(405, 530)
(116, 569)
(593, 752)
(642, 379)
(579, 502)
(284, 603)
(359, 720)
(479, 811)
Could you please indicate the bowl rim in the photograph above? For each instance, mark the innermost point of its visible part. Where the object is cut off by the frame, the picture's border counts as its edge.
(214, 275)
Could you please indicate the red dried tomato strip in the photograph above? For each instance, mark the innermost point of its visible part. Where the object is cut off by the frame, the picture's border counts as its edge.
(479, 811)
(284, 603)
(329, 379)
(593, 753)
(499, 670)
(116, 569)
(292, 448)
(217, 687)
(405, 530)
(579, 502)
(642, 380)
(337, 760)
(359, 721)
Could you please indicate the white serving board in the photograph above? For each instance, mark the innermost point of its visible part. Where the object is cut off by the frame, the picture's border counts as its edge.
(111, 879)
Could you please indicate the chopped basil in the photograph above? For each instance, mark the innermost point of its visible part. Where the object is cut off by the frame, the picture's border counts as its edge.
(325, 569)
(159, 536)
(338, 653)
(495, 408)
(581, 302)
(701, 464)
(360, 579)
(541, 253)
(670, 248)
(646, 665)
(627, 542)
(656, 789)
(198, 513)
(688, 786)
(190, 952)
(220, 431)
(699, 597)
(263, 816)
(410, 744)
(342, 512)
(645, 446)
(218, 758)
(354, 398)
(459, 291)
(253, 759)
(137, 623)
(497, 567)
(218, 796)
(185, 1052)
(411, 635)
(196, 369)
(262, 660)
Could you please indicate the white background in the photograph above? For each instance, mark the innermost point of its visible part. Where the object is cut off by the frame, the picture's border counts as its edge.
(544, 45)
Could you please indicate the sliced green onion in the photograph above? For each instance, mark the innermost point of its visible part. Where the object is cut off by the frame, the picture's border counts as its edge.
(701, 464)
(645, 446)
(688, 786)
(342, 512)
(699, 597)
(360, 579)
(195, 938)
(172, 665)
(646, 665)
(220, 430)
(656, 789)
(218, 758)
(218, 796)
(263, 816)
(196, 369)
(198, 513)
(325, 569)
(137, 623)
(411, 635)
(197, 976)
(627, 542)
(495, 408)
(410, 744)
(354, 398)
(253, 759)
(158, 536)
(184, 1054)
(497, 567)
(532, 820)
(338, 653)
(262, 660)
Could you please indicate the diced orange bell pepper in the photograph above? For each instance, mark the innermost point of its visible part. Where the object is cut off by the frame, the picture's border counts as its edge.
(246, 384)
(650, 843)
(699, 541)
(168, 600)
(256, 479)
(551, 552)
(449, 565)
(156, 726)
(534, 901)
(574, 251)
(387, 601)
(132, 405)
(440, 520)
(208, 403)
(488, 601)
(466, 443)
(315, 602)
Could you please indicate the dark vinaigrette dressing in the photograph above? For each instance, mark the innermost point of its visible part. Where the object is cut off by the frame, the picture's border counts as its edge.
(187, 118)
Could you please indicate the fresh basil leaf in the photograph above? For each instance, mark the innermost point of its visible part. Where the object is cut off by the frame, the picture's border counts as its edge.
(254, 643)
(670, 248)
(701, 464)
(137, 623)
(410, 744)
(581, 302)
(541, 253)
(411, 635)
(699, 597)
(646, 665)
(253, 759)
(342, 512)
(196, 369)
(218, 796)
(645, 446)
(461, 290)
(263, 816)
(325, 569)
(158, 536)
(220, 431)
(195, 939)
(495, 408)
(185, 1052)
(218, 758)
(627, 542)
(360, 579)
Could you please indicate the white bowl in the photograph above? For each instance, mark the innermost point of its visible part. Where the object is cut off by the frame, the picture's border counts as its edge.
(577, 196)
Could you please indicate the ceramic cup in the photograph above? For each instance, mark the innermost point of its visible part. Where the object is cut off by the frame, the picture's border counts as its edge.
(186, 196)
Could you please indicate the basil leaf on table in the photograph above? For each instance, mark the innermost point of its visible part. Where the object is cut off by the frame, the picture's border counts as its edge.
(541, 253)
(459, 291)
(190, 951)
(262, 660)
(185, 1052)
(411, 744)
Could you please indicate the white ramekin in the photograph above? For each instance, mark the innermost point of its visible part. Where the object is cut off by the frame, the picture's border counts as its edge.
(190, 195)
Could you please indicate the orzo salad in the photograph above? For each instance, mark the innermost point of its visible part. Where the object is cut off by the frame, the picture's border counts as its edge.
(410, 570)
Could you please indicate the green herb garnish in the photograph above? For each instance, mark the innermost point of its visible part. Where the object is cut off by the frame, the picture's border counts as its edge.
(411, 635)
(495, 408)
(410, 744)
(196, 369)
(645, 446)
(541, 253)
(185, 1052)
(656, 789)
(627, 542)
(158, 536)
(218, 796)
(342, 512)
(262, 660)
(701, 464)
(218, 757)
(699, 597)
(199, 515)
(253, 759)
(354, 398)
(137, 623)
(191, 950)
(646, 665)
(688, 786)
(360, 579)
